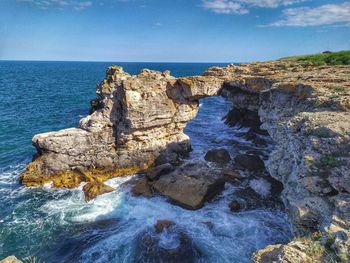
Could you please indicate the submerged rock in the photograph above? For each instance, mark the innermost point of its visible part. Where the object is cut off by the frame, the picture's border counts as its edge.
(235, 206)
(220, 156)
(171, 246)
(190, 186)
(162, 225)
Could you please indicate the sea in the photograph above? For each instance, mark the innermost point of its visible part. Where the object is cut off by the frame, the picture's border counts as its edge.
(44, 224)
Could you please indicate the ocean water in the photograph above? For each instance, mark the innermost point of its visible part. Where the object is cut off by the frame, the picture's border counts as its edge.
(59, 226)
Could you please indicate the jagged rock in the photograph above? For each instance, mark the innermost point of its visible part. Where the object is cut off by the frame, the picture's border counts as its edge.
(10, 259)
(137, 126)
(250, 162)
(142, 187)
(93, 189)
(220, 156)
(190, 186)
(161, 225)
(155, 172)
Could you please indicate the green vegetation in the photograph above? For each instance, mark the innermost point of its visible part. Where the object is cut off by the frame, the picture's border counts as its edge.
(338, 89)
(336, 58)
(329, 161)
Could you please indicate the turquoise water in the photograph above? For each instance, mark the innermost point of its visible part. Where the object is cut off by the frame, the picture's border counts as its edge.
(58, 226)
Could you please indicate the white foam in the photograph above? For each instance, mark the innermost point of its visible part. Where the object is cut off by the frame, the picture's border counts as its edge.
(261, 187)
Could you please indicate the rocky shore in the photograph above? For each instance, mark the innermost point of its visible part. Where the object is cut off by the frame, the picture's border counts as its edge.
(136, 126)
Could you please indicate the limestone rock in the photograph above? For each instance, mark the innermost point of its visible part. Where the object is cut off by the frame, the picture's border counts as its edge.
(10, 259)
(190, 186)
(93, 189)
(142, 187)
(281, 254)
(155, 172)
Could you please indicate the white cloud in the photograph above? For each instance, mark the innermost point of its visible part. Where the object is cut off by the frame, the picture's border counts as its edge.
(224, 7)
(46, 4)
(242, 6)
(330, 14)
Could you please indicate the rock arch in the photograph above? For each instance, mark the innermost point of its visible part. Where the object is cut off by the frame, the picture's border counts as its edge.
(137, 121)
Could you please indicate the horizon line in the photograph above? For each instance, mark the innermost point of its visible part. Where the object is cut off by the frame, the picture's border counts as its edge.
(102, 61)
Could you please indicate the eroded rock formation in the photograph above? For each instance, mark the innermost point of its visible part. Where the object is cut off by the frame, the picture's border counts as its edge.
(138, 121)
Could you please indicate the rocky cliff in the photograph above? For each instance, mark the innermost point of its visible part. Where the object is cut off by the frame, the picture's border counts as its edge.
(137, 122)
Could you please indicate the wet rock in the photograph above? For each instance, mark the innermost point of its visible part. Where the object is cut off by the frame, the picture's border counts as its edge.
(276, 186)
(232, 176)
(10, 259)
(161, 225)
(142, 187)
(190, 186)
(248, 199)
(231, 173)
(155, 172)
(235, 206)
(220, 156)
(93, 189)
(249, 162)
(171, 246)
(260, 142)
(209, 224)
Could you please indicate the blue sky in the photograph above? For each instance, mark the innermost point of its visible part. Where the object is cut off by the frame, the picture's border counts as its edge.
(174, 30)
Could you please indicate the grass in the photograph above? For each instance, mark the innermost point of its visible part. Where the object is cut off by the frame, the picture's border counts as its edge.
(329, 161)
(339, 89)
(336, 58)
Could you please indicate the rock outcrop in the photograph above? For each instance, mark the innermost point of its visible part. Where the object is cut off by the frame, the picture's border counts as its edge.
(138, 121)
(10, 259)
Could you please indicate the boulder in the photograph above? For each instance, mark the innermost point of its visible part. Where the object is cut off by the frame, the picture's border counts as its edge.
(190, 186)
(161, 225)
(155, 172)
(94, 189)
(142, 187)
(220, 156)
(250, 162)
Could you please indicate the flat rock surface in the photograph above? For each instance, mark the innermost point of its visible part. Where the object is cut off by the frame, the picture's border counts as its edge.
(190, 186)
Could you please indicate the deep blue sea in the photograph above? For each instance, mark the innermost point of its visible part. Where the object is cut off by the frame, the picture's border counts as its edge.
(58, 226)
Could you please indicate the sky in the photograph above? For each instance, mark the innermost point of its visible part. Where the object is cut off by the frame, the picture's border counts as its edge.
(171, 30)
